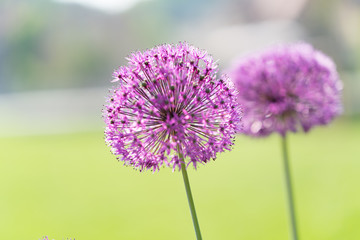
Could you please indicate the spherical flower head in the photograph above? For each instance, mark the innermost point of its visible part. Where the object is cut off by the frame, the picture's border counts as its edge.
(168, 105)
(285, 87)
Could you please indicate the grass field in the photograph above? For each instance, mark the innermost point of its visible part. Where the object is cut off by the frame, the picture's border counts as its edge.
(70, 186)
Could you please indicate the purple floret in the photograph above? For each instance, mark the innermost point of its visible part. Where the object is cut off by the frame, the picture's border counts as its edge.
(285, 87)
(168, 101)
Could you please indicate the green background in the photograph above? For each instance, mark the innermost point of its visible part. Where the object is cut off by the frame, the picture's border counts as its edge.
(70, 186)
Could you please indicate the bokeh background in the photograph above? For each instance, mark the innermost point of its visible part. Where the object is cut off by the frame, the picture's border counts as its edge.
(58, 178)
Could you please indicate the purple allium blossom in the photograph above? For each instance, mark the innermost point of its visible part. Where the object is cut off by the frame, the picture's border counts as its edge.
(285, 87)
(168, 101)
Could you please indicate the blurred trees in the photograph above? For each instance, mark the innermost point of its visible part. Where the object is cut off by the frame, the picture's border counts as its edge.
(45, 44)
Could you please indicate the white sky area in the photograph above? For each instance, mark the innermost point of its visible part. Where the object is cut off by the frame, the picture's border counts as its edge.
(109, 6)
(285, 9)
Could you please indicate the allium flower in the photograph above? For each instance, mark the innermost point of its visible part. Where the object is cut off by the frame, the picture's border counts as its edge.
(168, 101)
(286, 86)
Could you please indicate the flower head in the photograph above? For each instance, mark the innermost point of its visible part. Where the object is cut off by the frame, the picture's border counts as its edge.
(168, 102)
(286, 86)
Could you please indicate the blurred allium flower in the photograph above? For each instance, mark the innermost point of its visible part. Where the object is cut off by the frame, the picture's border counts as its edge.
(286, 86)
(168, 100)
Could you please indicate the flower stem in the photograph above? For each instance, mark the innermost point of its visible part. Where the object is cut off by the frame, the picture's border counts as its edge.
(289, 189)
(190, 200)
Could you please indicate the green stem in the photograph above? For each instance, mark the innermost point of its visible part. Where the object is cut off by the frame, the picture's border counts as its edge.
(190, 198)
(289, 189)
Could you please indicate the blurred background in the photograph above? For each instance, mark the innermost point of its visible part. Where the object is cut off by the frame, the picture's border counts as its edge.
(58, 177)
